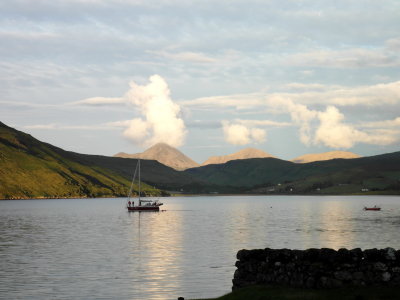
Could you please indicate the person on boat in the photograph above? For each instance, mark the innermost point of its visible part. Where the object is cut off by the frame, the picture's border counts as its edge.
(129, 203)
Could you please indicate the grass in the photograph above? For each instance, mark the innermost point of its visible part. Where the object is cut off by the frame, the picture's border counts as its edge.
(281, 293)
(32, 169)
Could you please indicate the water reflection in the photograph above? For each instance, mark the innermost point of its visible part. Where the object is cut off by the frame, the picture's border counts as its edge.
(334, 232)
(156, 246)
(94, 249)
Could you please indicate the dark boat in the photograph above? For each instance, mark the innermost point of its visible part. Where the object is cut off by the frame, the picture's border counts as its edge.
(372, 208)
(142, 205)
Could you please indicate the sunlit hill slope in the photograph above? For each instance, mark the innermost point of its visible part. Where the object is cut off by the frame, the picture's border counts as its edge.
(375, 174)
(32, 169)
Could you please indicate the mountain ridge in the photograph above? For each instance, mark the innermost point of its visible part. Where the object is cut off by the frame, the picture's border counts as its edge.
(376, 174)
(30, 168)
(311, 157)
(241, 154)
(164, 154)
(174, 158)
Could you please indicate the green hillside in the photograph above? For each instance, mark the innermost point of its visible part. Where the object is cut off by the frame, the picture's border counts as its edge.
(375, 174)
(33, 169)
(152, 172)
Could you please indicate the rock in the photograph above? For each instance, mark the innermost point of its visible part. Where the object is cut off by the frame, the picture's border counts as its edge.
(395, 280)
(390, 254)
(327, 255)
(318, 268)
(343, 275)
(297, 280)
(356, 254)
(242, 254)
(310, 282)
(396, 269)
(372, 254)
(311, 254)
(359, 276)
(326, 282)
(379, 266)
(386, 276)
(344, 255)
(398, 255)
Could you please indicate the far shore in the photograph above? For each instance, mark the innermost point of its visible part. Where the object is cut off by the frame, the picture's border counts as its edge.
(204, 195)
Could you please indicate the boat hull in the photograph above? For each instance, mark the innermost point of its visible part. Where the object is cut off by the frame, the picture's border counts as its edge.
(143, 208)
(372, 208)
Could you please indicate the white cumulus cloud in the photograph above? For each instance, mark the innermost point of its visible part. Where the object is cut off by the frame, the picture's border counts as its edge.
(334, 133)
(239, 134)
(328, 127)
(160, 120)
(300, 114)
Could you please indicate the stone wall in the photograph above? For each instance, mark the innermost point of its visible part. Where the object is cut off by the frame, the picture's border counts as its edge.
(317, 268)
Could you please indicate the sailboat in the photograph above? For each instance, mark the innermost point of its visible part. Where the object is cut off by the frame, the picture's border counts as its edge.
(142, 205)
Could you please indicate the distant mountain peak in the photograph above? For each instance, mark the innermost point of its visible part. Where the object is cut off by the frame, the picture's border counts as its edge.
(324, 156)
(165, 154)
(242, 154)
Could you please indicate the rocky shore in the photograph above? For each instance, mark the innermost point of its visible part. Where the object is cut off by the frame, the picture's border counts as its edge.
(317, 268)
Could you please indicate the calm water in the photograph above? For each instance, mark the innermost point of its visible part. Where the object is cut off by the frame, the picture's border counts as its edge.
(94, 249)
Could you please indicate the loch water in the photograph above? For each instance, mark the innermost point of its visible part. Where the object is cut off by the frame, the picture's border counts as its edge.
(95, 249)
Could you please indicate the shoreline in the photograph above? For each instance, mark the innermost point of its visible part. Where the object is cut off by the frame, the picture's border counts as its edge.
(205, 195)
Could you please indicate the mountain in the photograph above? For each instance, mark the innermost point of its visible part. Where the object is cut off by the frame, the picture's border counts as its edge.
(30, 168)
(242, 154)
(164, 154)
(324, 156)
(374, 174)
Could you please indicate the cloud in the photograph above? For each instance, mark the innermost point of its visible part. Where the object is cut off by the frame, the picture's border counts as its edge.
(54, 126)
(41, 126)
(252, 123)
(240, 101)
(328, 127)
(203, 124)
(238, 134)
(349, 58)
(99, 101)
(395, 123)
(333, 133)
(300, 114)
(308, 94)
(160, 120)
(194, 57)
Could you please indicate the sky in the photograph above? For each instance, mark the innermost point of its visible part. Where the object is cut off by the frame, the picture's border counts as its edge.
(289, 77)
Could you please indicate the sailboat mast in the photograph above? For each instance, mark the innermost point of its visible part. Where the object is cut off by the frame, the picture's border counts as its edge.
(139, 184)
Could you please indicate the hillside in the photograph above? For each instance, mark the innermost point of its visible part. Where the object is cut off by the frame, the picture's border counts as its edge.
(164, 154)
(324, 156)
(378, 174)
(242, 154)
(30, 168)
(33, 169)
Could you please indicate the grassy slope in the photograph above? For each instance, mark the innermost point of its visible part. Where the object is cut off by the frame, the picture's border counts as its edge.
(378, 173)
(277, 293)
(30, 169)
(152, 172)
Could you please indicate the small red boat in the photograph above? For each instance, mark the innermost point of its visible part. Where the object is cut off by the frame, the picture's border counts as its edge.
(372, 208)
